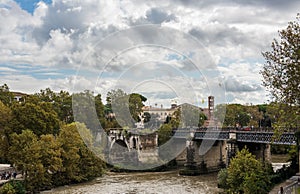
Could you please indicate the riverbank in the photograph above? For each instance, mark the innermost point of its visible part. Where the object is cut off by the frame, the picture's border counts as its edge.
(285, 183)
(279, 161)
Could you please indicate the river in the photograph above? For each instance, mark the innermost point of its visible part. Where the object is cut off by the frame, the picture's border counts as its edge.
(144, 182)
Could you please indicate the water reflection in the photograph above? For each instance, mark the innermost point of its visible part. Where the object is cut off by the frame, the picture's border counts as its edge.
(152, 183)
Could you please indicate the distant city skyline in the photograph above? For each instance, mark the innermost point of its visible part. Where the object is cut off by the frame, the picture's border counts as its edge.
(49, 44)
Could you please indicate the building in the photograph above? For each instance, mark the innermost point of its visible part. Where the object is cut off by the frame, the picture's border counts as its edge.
(160, 113)
(19, 97)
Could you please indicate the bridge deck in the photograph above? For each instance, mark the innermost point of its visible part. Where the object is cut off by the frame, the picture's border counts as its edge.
(254, 136)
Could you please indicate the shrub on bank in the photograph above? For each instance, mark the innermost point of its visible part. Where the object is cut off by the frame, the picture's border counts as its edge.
(7, 188)
(245, 174)
(13, 187)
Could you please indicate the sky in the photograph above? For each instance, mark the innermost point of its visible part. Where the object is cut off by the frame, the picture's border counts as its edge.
(174, 49)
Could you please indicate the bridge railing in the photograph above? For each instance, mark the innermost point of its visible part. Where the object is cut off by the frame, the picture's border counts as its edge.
(257, 129)
(254, 135)
(212, 128)
(289, 189)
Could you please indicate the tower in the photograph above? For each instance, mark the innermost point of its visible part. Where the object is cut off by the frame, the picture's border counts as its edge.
(211, 104)
(173, 103)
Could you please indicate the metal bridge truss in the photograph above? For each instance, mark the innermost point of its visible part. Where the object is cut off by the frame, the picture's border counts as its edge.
(286, 138)
(211, 135)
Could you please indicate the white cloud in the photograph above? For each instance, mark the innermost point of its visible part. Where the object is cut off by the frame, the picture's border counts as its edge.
(65, 34)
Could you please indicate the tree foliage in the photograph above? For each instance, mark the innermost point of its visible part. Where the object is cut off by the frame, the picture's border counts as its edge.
(191, 116)
(61, 103)
(237, 115)
(79, 163)
(164, 133)
(126, 108)
(283, 116)
(6, 96)
(39, 118)
(47, 161)
(36, 138)
(281, 72)
(247, 175)
(5, 130)
(7, 188)
(24, 153)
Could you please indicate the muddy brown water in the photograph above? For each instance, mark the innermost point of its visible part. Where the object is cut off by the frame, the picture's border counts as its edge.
(144, 182)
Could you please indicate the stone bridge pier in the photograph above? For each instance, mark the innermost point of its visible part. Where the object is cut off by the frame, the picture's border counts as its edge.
(221, 151)
(261, 149)
(215, 157)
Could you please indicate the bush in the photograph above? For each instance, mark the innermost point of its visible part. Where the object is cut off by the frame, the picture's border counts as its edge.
(247, 175)
(7, 188)
(222, 176)
(13, 187)
(18, 186)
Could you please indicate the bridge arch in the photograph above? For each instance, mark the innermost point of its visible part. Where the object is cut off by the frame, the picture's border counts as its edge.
(120, 143)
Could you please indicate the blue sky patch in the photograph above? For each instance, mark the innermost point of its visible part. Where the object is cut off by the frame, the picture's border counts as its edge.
(38, 72)
(30, 5)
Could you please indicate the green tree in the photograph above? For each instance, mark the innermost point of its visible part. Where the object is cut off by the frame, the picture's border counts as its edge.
(50, 156)
(111, 96)
(91, 165)
(25, 154)
(5, 130)
(281, 72)
(202, 118)
(90, 162)
(222, 178)
(247, 175)
(126, 108)
(88, 109)
(176, 119)
(282, 116)
(136, 105)
(164, 133)
(5, 95)
(255, 115)
(39, 118)
(7, 188)
(18, 186)
(78, 160)
(100, 110)
(70, 143)
(61, 102)
(236, 115)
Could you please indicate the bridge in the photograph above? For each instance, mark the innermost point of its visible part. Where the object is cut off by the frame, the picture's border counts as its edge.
(252, 135)
(222, 143)
(225, 142)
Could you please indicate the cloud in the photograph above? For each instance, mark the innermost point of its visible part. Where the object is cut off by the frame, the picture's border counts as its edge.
(234, 85)
(276, 4)
(218, 36)
(153, 15)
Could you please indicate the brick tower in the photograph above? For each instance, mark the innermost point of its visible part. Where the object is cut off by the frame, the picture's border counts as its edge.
(211, 104)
